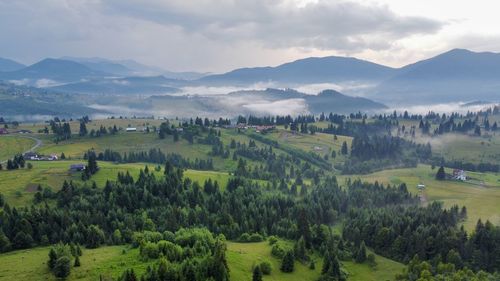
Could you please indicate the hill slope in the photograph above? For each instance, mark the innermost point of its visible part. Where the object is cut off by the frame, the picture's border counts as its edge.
(10, 65)
(53, 69)
(309, 70)
(326, 101)
(457, 75)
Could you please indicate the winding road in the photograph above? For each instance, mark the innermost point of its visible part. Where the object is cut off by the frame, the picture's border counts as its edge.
(38, 143)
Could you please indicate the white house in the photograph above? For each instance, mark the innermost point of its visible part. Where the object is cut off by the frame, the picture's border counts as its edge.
(459, 174)
(131, 129)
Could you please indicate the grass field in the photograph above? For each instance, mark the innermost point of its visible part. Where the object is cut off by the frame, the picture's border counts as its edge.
(12, 145)
(106, 261)
(111, 261)
(125, 142)
(243, 256)
(202, 176)
(484, 149)
(481, 195)
(19, 186)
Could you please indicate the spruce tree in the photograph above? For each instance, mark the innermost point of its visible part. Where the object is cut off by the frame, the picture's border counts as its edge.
(257, 274)
(287, 264)
(77, 261)
(83, 129)
(52, 258)
(62, 267)
(361, 254)
(441, 175)
(343, 150)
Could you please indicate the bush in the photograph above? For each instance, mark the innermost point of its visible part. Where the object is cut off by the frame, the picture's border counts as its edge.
(171, 251)
(266, 267)
(278, 250)
(245, 237)
(256, 237)
(272, 240)
(149, 250)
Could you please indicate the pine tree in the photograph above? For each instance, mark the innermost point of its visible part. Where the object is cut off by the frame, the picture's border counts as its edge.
(257, 274)
(77, 261)
(62, 267)
(52, 258)
(441, 175)
(220, 269)
(361, 254)
(288, 262)
(83, 129)
(343, 150)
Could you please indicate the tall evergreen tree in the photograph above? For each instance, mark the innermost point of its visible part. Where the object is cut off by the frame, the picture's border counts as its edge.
(361, 253)
(83, 129)
(343, 150)
(288, 262)
(257, 274)
(441, 175)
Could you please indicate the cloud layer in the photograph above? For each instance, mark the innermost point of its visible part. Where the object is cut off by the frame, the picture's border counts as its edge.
(206, 35)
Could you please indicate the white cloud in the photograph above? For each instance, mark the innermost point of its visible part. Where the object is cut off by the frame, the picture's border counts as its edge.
(281, 107)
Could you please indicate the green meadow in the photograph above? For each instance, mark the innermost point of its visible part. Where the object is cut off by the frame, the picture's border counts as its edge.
(108, 261)
(481, 194)
(12, 145)
(19, 186)
(111, 261)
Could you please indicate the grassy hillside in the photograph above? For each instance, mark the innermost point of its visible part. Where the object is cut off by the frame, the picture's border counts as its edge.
(485, 149)
(111, 261)
(480, 195)
(243, 256)
(11, 145)
(19, 186)
(108, 261)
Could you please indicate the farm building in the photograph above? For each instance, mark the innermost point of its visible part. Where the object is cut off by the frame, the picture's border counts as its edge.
(420, 186)
(459, 174)
(77, 167)
(131, 130)
(263, 129)
(3, 131)
(31, 155)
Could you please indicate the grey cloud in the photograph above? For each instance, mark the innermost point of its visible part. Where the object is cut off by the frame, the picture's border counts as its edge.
(204, 35)
(281, 24)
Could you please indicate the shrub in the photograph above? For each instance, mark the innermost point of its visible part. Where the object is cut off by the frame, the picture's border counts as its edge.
(245, 237)
(266, 267)
(256, 237)
(272, 240)
(278, 250)
(149, 250)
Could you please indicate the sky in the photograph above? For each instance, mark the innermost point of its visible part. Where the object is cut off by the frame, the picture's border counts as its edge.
(220, 35)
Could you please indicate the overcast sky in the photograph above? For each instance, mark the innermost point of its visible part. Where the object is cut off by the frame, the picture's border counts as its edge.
(219, 35)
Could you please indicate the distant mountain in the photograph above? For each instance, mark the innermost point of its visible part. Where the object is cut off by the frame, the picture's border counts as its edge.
(326, 101)
(310, 70)
(126, 85)
(457, 75)
(10, 65)
(153, 70)
(333, 101)
(57, 70)
(103, 65)
(132, 68)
